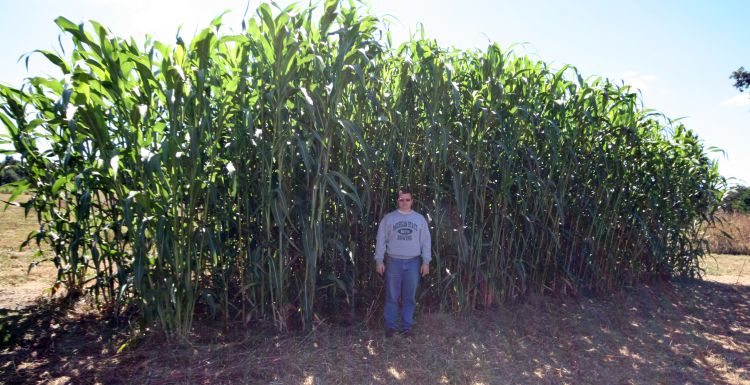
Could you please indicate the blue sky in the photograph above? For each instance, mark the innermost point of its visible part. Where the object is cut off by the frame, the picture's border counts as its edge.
(678, 53)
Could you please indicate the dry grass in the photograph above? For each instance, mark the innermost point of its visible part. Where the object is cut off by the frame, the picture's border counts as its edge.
(20, 285)
(732, 269)
(668, 333)
(731, 234)
(14, 226)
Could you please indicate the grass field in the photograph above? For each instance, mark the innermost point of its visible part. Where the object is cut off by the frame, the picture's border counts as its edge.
(695, 332)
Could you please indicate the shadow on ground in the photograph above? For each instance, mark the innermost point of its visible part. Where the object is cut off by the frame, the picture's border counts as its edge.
(53, 341)
(671, 333)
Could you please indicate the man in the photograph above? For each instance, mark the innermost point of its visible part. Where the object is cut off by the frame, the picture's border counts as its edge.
(403, 239)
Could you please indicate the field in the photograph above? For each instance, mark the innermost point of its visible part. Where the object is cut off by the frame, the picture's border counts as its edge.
(730, 234)
(695, 332)
(19, 285)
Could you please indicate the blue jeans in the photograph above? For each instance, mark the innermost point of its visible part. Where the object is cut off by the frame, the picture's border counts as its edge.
(401, 277)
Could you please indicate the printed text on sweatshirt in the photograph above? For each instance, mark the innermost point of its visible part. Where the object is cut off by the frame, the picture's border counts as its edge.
(403, 235)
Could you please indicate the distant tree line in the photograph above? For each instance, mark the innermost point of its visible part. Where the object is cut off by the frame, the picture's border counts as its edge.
(11, 170)
(737, 200)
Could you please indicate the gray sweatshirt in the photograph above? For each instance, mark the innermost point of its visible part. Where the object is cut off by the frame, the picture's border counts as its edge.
(403, 236)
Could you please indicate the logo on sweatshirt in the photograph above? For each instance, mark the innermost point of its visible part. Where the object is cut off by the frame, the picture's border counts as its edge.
(405, 229)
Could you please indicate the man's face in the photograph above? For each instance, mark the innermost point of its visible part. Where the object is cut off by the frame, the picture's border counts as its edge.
(404, 201)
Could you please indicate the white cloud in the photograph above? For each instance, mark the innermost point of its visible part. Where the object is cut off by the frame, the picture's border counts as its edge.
(741, 100)
(637, 80)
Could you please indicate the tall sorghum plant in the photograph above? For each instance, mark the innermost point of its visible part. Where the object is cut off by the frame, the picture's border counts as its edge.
(245, 173)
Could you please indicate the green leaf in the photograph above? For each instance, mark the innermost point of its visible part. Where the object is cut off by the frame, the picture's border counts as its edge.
(56, 60)
(59, 183)
(19, 187)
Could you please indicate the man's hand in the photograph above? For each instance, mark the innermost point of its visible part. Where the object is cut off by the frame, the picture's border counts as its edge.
(425, 269)
(380, 268)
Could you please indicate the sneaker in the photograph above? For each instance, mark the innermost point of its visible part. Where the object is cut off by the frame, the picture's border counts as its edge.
(389, 332)
(406, 333)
